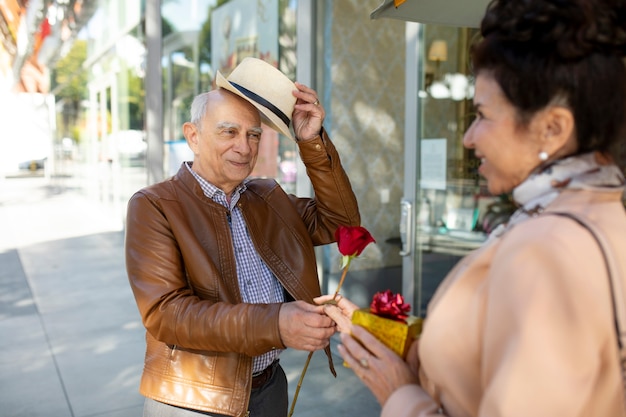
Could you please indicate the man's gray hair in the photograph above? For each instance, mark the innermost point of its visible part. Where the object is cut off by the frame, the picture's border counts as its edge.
(198, 108)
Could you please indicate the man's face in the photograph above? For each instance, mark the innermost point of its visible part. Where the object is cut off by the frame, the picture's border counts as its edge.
(226, 143)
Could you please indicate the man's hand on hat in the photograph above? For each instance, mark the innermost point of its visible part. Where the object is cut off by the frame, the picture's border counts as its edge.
(308, 113)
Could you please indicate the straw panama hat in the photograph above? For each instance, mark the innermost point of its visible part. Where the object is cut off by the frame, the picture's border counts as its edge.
(268, 89)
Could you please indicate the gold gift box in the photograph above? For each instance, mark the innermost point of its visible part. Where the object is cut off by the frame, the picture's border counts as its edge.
(396, 335)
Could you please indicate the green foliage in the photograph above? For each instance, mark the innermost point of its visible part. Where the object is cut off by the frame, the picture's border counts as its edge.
(76, 133)
(135, 100)
(69, 79)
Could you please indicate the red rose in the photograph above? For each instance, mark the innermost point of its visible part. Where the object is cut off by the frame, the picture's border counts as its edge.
(390, 305)
(351, 240)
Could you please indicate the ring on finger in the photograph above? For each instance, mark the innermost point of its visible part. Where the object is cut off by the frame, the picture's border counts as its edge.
(364, 364)
(316, 103)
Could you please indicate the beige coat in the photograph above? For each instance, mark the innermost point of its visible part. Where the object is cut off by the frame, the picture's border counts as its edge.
(523, 326)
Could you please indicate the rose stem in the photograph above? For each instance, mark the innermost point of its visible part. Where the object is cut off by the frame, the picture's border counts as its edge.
(308, 359)
(343, 277)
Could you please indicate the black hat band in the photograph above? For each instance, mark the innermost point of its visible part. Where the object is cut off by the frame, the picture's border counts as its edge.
(257, 98)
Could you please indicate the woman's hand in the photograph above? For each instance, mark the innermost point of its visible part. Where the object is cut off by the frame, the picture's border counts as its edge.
(308, 113)
(412, 356)
(380, 368)
(339, 309)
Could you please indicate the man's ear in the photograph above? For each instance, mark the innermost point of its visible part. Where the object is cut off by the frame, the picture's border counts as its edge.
(559, 131)
(190, 131)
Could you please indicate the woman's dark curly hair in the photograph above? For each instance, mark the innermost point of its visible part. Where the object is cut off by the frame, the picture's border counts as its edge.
(567, 52)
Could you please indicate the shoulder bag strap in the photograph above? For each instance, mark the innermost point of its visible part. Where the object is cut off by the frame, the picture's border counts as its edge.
(616, 286)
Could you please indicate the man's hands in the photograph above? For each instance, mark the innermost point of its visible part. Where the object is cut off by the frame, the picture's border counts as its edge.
(308, 113)
(304, 326)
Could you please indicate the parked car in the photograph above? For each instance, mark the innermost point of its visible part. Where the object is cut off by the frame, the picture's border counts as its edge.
(33, 164)
(127, 146)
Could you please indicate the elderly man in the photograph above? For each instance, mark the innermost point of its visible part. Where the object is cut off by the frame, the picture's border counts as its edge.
(222, 266)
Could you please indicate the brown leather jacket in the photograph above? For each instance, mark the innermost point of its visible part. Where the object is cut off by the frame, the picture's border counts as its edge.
(200, 337)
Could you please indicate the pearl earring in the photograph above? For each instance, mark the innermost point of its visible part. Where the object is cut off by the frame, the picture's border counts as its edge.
(543, 156)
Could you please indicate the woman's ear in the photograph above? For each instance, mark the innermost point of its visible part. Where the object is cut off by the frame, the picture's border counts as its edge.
(559, 132)
(190, 131)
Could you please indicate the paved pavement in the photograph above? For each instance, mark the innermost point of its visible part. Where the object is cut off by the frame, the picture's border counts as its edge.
(71, 339)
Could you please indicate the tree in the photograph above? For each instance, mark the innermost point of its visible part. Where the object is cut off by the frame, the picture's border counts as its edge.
(69, 85)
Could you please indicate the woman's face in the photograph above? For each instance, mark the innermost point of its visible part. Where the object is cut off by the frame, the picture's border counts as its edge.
(508, 152)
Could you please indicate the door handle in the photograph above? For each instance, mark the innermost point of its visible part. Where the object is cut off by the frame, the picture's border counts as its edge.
(406, 227)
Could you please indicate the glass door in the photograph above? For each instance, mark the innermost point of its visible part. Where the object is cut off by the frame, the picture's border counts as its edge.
(453, 210)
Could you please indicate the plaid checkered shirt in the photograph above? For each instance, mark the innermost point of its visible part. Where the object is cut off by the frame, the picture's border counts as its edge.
(257, 283)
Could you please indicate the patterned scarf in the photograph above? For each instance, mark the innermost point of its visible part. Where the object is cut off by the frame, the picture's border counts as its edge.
(589, 171)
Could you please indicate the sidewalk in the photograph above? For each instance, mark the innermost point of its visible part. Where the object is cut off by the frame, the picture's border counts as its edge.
(71, 338)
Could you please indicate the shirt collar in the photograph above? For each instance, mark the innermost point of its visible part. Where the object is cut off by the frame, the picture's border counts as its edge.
(213, 192)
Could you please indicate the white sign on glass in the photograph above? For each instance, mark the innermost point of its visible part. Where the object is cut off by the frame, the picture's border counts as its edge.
(433, 164)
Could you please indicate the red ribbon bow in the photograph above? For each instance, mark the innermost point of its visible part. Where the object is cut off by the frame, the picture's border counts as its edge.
(389, 305)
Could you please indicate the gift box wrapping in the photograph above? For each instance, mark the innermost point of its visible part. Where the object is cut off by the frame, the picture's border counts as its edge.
(396, 335)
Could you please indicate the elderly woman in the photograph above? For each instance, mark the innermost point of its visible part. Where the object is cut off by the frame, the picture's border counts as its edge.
(524, 326)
